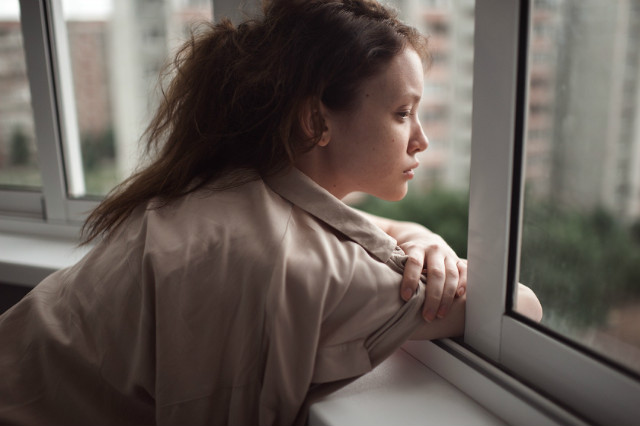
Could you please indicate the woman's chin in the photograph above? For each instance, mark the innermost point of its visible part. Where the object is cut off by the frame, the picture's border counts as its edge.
(393, 195)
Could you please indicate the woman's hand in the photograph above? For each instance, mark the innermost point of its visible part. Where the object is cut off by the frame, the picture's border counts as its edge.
(427, 253)
(527, 303)
(446, 273)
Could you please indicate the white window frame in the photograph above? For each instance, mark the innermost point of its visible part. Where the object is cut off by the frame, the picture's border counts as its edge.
(568, 376)
(52, 209)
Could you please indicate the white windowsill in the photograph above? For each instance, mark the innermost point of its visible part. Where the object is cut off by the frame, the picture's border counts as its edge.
(400, 391)
(26, 260)
(427, 383)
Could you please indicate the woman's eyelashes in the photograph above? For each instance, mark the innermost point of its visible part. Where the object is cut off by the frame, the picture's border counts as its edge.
(405, 114)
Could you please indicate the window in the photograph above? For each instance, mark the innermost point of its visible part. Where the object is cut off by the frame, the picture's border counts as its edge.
(18, 159)
(117, 50)
(20, 177)
(579, 250)
(94, 66)
(545, 200)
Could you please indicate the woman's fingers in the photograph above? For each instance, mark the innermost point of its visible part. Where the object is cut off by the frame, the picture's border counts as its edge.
(412, 271)
(462, 273)
(436, 277)
(446, 278)
(451, 282)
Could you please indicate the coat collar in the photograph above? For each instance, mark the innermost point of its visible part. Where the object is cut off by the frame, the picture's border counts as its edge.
(303, 192)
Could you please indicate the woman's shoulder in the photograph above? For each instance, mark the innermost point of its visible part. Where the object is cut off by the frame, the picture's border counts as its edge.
(247, 214)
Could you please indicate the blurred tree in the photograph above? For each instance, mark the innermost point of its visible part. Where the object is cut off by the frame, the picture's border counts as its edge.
(20, 153)
(580, 264)
(444, 212)
(97, 148)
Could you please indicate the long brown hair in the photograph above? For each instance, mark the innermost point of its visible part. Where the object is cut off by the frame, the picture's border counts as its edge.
(237, 95)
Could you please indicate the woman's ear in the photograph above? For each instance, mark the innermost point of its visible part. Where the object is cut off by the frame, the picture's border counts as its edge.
(306, 118)
(312, 119)
(324, 123)
(326, 137)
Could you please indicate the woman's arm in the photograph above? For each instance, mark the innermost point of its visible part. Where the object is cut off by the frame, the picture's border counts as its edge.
(446, 272)
(446, 279)
(453, 325)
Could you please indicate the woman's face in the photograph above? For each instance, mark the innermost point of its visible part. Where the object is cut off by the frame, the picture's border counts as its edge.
(372, 147)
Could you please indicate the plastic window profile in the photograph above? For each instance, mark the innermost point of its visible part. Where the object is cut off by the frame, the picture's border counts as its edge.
(593, 390)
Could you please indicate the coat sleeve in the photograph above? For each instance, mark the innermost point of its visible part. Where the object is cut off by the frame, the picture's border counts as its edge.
(333, 312)
(369, 320)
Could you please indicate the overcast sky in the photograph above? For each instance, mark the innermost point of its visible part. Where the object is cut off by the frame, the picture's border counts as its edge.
(76, 9)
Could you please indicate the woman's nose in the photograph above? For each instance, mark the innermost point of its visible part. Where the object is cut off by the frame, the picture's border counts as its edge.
(419, 141)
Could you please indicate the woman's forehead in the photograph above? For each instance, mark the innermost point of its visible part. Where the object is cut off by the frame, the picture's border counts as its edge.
(402, 78)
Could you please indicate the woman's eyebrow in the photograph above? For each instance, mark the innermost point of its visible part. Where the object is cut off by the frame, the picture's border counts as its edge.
(414, 96)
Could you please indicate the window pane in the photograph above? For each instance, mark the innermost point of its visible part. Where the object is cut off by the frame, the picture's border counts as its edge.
(581, 229)
(438, 195)
(18, 159)
(117, 49)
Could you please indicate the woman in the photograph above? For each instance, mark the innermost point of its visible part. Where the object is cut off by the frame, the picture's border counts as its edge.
(229, 284)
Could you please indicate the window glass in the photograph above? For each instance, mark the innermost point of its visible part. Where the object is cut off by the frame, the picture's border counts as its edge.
(438, 195)
(580, 249)
(117, 49)
(18, 159)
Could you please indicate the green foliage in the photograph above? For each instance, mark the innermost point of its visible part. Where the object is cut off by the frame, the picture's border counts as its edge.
(20, 153)
(580, 264)
(444, 212)
(97, 148)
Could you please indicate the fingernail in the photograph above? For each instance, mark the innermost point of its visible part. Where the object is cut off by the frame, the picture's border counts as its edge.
(462, 291)
(406, 294)
(430, 315)
(442, 312)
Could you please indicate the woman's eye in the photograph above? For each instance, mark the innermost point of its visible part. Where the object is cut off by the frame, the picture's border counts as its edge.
(404, 114)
